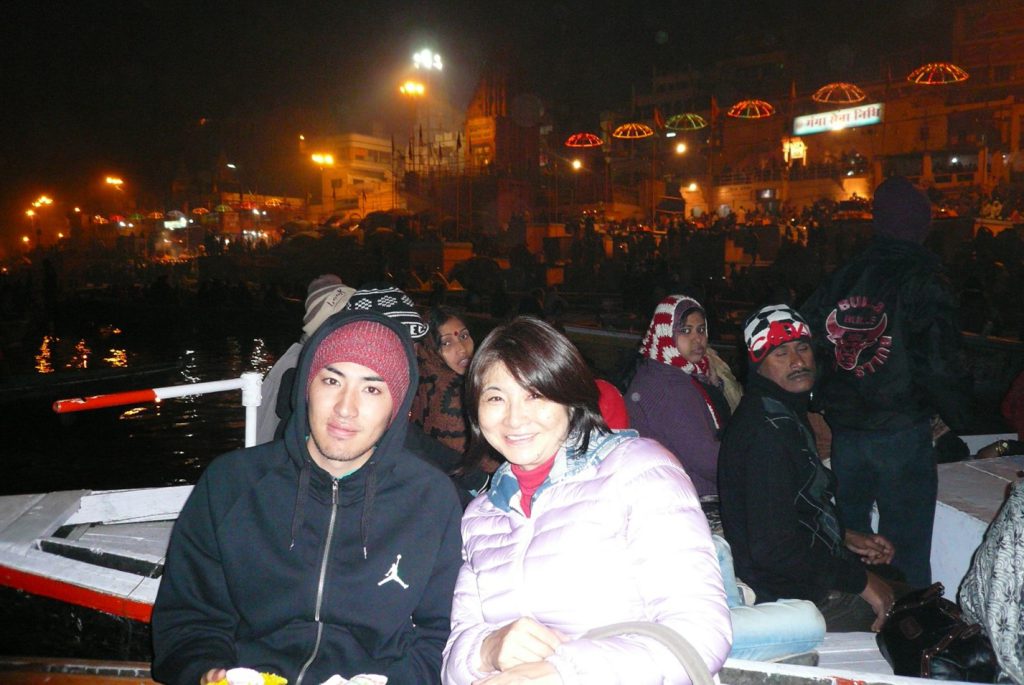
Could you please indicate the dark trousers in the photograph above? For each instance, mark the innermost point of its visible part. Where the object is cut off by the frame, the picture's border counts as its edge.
(896, 469)
(845, 612)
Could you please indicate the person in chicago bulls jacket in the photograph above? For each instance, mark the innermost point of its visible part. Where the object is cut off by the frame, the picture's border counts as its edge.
(888, 346)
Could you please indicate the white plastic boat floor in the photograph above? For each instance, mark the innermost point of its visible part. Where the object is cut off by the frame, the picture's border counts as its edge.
(853, 652)
(112, 542)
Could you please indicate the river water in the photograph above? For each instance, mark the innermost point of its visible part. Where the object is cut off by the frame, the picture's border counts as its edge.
(166, 443)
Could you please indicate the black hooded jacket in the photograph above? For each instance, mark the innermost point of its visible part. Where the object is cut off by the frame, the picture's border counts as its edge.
(887, 342)
(276, 565)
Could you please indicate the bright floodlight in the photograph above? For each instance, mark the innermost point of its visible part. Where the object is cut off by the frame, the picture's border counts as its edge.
(412, 88)
(425, 59)
(577, 164)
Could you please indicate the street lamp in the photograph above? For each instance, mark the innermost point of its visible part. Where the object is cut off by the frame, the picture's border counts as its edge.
(322, 160)
(413, 89)
(427, 59)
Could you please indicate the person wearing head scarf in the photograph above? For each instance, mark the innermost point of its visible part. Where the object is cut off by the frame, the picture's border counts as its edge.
(444, 356)
(678, 394)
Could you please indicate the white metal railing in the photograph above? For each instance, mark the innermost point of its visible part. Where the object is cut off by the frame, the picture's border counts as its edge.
(249, 383)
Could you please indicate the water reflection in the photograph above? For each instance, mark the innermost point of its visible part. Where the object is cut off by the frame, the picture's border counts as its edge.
(141, 445)
(80, 357)
(117, 359)
(44, 359)
(261, 358)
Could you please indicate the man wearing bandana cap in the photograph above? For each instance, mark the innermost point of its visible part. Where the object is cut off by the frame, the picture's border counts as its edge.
(778, 514)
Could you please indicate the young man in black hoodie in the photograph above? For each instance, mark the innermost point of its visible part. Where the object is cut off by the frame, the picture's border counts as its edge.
(886, 334)
(777, 497)
(334, 551)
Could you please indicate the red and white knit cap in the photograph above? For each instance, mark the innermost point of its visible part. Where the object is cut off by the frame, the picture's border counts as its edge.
(659, 343)
(370, 344)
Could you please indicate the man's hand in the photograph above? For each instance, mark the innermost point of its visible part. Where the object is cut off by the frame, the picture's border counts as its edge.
(522, 641)
(872, 549)
(213, 675)
(879, 595)
(537, 673)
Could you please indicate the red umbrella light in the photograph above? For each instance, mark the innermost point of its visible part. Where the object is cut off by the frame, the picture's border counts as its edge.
(937, 74)
(839, 93)
(633, 131)
(686, 122)
(583, 140)
(751, 109)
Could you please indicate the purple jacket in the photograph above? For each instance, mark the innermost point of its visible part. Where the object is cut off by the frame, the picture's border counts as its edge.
(665, 405)
(616, 534)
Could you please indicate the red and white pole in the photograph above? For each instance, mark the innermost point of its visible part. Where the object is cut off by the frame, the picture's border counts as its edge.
(249, 383)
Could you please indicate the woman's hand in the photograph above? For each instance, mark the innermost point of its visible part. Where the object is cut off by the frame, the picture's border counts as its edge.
(872, 549)
(537, 673)
(522, 641)
(213, 675)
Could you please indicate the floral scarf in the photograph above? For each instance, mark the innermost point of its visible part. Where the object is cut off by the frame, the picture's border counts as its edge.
(437, 406)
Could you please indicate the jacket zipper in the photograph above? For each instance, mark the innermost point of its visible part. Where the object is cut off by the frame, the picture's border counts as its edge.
(320, 584)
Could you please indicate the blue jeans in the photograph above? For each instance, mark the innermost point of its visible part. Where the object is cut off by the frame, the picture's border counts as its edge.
(896, 469)
(768, 630)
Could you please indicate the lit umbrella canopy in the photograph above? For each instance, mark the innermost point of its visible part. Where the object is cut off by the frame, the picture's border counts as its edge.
(200, 211)
(686, 122)
(633, 131)
(135, 217)
(937, 74)
(839, 93)
(155, 215)
(583, 140)
(222, 208)
(751, 109)
(175, 214)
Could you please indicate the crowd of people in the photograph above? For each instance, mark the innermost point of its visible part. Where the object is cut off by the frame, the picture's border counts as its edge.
(432, 510)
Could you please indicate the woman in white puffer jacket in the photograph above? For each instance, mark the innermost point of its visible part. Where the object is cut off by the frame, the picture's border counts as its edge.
(582, 528)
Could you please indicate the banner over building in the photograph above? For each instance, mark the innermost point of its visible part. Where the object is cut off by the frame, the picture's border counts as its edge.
(838, 119)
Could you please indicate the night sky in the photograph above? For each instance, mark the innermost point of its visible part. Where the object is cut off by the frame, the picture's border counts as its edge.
(90, 88)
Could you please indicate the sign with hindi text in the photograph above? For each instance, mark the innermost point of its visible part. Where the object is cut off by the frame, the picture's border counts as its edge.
(838, 119)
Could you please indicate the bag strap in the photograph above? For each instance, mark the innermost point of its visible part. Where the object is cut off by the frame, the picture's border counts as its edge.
(680, 647)
(961, 631)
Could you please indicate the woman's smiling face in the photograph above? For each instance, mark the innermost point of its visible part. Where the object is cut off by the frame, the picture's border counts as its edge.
(522, 426)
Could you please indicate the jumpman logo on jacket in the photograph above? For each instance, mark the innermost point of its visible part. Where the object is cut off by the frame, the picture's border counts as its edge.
(392, 574)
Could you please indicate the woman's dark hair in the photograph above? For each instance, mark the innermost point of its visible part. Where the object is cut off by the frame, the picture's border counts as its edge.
(437, 317)
(544, 361)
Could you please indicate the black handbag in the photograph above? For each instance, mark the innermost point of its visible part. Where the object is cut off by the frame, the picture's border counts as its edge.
(924, 636)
